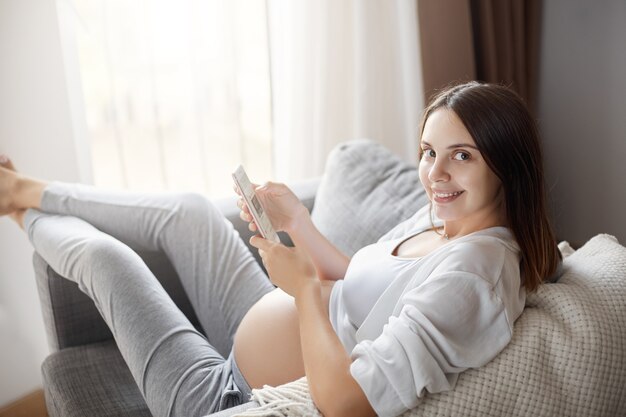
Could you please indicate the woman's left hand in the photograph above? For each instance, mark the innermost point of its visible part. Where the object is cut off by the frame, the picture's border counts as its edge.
(289, 268)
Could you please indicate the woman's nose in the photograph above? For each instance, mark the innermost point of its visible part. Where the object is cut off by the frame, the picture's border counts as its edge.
(438, 172)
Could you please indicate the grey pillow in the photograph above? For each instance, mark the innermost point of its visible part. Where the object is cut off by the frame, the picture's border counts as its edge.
(366, 190)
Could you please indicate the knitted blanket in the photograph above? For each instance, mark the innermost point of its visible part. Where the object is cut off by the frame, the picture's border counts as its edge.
(567, 356)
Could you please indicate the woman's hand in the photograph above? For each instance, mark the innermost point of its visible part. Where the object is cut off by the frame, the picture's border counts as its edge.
(290, 269)
(281, 205)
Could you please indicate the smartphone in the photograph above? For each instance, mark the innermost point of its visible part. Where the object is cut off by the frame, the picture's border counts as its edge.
(256, 209)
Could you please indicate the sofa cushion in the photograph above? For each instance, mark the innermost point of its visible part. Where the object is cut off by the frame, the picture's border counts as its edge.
(366, 190)
(91, 380)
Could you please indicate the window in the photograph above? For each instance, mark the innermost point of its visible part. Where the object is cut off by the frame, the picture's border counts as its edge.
(177, 93)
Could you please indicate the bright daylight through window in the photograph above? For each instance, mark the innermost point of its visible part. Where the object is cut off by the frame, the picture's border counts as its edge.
(177, 93)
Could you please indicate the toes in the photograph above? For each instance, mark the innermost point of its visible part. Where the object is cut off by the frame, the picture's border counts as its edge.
(6, 162)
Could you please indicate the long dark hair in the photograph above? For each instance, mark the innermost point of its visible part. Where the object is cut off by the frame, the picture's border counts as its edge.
(507, 137)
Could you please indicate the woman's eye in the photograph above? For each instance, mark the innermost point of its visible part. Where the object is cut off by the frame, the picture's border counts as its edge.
(461, 156)
(429, 153)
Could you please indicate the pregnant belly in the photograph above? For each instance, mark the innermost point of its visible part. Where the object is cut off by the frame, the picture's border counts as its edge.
(267, 343)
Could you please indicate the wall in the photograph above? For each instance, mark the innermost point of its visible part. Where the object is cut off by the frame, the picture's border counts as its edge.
(38, 130)
(582, 109)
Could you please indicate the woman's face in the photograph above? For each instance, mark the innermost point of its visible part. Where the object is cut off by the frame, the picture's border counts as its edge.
(458, 181)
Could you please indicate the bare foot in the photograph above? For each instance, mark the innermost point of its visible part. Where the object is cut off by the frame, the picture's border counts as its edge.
(18, 191)
(7, 186)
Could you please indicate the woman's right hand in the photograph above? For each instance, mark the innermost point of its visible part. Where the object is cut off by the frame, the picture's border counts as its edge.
(281, 205)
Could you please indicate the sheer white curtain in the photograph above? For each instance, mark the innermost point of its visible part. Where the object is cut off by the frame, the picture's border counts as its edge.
(342, 70)
(177, 92)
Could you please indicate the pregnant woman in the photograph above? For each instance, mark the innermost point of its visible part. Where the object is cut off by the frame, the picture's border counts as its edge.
(435, 296)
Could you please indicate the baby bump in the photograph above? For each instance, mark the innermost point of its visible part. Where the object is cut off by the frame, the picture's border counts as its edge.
(267, 343)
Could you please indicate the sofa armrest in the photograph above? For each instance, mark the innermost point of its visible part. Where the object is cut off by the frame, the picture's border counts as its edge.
(71, 318)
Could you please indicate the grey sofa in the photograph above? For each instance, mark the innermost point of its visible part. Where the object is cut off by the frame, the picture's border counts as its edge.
(569, 341)
(85, 374)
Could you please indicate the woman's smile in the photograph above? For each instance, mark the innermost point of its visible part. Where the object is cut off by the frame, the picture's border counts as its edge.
(445, 197)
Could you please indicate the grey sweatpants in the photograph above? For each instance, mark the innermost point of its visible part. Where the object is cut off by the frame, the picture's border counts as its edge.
(89, 236)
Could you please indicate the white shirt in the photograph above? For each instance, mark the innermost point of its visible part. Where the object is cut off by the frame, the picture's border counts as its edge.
(414, 324)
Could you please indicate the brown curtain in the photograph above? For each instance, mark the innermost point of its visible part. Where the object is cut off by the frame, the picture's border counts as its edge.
(486, 40)
(447, 50)
(506, 44)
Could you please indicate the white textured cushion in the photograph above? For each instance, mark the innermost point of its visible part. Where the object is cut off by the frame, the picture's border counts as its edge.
(567, 356)
(366, 190)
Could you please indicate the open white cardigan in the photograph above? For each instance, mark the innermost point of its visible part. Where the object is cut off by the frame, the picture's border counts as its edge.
(455, 310)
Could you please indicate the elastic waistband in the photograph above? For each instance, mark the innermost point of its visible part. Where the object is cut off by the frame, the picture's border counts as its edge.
(241, 382)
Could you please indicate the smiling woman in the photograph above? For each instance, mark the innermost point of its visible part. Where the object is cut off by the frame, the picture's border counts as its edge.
(500, 146)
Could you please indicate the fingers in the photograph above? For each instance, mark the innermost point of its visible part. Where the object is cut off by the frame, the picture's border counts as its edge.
(243, 206)
(267, 186)
(247, 218)
(261, 244)
(270, 252)
(245, 215)
(238, 191)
